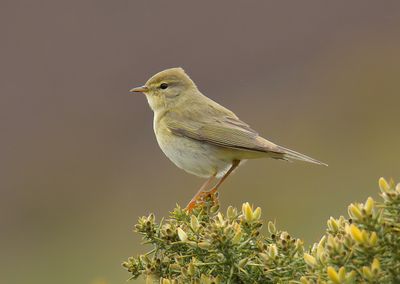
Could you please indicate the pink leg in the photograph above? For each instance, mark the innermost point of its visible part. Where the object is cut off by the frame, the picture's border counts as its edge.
(235, 164)
(202, 189)
(201, 192)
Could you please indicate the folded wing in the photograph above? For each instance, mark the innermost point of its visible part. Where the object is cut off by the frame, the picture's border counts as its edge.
(224, 130)
(221, 127)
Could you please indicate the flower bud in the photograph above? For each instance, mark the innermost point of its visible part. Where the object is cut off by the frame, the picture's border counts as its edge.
(247, 212)
(356, 234)
(310, 260)
(299, 245)
(332, 243)
(214, 209)
(342, 274)
(367, 273)
(321, 249)
(264, 256)
(204, 245)
(351, 276)
(237, 237)
(257, 214)
(365, 236)
(191, 270)
(333, 225)
(205, 279)
(272, 251)
(174, 266)
(373, 239)
(354, 212)
(333, 275)
(271, 227)
(182, 235)
(304, 280)
(383, 185)
(194, 223)
(149, 279)
(375, 266)
(369, 205)
(243, 262)
(230, 212)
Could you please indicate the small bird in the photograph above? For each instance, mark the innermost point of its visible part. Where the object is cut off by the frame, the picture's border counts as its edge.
(199, 135)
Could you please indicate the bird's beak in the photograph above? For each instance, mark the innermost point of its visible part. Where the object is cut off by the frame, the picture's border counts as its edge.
(142, 89)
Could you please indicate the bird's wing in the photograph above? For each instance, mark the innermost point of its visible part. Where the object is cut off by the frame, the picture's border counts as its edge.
(214, 124)
(222, 128)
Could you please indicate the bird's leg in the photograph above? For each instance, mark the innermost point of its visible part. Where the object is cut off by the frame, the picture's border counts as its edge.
(235, 164)
(199, 193)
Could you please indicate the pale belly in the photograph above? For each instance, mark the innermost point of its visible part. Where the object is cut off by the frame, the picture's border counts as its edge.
(197, 158)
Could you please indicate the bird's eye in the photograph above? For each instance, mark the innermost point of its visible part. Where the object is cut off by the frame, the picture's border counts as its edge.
(164, 86)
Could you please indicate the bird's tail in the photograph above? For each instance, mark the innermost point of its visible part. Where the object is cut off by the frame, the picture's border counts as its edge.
(290, 154)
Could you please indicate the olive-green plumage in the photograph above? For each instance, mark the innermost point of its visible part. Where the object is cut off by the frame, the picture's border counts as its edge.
(199, 135)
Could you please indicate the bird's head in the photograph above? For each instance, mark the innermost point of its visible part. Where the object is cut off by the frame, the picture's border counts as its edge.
(167, 88)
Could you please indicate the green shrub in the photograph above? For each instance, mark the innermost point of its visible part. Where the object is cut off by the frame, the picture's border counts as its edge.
(208, 246)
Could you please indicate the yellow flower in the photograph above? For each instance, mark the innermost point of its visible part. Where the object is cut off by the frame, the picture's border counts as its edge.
(365, 236)
(354, 212)
(356, 234)
(375, 266)
(333, 224)
(367, 273)
(220, 218)
(383, 185)
(369, 205)
(310, 260)
(247, 212)
(321, 249)
(342, 274)
(333, 275)
(373, 239)
(165, 281)
(332, 242)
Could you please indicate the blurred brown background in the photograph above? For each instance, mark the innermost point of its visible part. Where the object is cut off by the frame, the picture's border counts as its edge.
(79, 161)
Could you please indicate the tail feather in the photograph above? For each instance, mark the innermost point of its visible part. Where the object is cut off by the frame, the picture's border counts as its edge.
(290, 154)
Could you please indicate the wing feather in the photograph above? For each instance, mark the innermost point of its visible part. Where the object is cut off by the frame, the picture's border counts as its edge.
(223, 129)
(216, 125)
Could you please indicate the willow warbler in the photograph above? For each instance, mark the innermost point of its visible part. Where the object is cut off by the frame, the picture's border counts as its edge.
(199, 135)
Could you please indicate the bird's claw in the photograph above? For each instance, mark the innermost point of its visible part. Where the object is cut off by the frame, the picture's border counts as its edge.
(202, 199)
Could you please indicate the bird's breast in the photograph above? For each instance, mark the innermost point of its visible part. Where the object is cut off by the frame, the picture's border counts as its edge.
(195, 157)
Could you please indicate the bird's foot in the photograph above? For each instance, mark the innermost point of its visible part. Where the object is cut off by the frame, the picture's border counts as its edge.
(192, 204)
(203, 199)
(211, 195)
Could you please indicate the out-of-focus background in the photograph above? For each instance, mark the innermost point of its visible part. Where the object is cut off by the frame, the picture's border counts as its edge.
(79, 162)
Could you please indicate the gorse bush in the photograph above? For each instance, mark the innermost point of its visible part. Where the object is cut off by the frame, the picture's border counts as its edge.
(208, 246)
